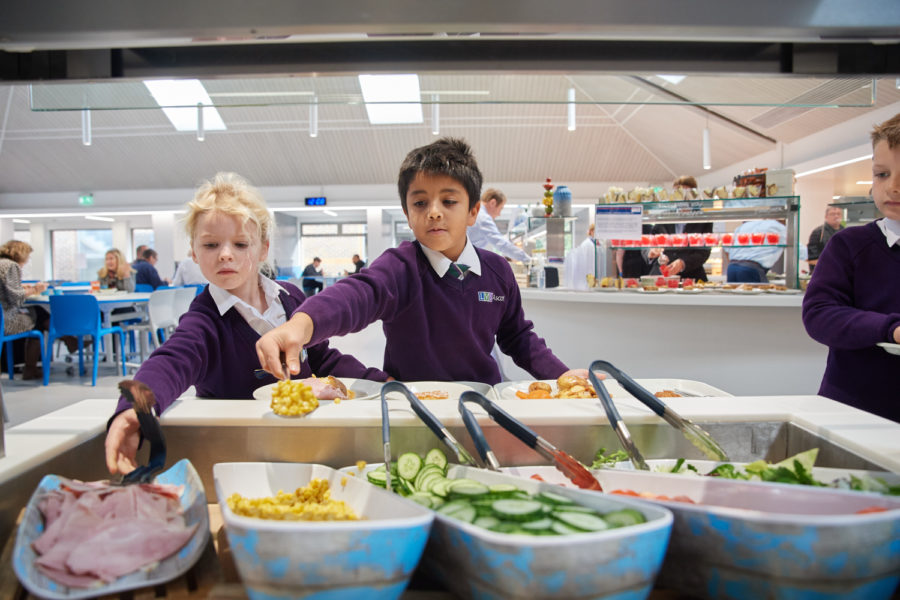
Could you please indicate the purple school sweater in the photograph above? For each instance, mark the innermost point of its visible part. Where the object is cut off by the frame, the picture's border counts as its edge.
(853, 303)
(437, 329)
(217, 354)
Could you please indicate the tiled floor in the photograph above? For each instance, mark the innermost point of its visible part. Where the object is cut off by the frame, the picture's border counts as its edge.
(25, 400)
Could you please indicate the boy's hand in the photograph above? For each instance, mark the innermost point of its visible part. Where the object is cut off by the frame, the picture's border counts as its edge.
(122, 441)
(289, 339)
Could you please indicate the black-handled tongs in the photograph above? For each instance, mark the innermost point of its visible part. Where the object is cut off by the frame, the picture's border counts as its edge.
(462, 456)
(694, 434)
(142, 398)
(476, 433)
(566, 463)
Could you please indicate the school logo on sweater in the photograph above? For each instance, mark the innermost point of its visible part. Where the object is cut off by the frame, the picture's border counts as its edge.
(489, 297)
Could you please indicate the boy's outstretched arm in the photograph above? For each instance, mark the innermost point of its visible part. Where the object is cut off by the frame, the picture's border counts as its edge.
(288, 339)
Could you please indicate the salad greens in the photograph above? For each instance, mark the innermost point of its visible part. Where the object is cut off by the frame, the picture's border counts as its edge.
(797, 469)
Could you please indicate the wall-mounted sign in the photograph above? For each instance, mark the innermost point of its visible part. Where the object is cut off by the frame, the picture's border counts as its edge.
(316, 201)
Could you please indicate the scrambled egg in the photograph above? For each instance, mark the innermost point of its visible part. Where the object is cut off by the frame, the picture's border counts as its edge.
(311, 503)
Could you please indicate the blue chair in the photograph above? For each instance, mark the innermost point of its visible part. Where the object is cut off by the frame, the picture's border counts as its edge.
(79, 315)
(8, 341)
(143, 287)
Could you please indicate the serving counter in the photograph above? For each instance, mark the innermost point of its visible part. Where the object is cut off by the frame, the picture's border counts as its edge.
(70, 441)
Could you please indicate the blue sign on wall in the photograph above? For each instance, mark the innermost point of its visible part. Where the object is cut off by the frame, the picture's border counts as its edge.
(316, 201)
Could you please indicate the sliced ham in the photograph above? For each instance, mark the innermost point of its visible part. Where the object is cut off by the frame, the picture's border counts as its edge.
(96, 532)
(326, 388)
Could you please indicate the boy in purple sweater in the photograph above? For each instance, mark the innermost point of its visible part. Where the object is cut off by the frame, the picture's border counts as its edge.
(213, 347)
(443, 303)
(853, 299)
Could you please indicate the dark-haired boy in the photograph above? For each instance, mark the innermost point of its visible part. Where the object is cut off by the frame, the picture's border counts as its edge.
(443, 303)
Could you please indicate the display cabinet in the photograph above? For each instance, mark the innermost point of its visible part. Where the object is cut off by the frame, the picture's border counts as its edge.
(780, 208)
(858, 210)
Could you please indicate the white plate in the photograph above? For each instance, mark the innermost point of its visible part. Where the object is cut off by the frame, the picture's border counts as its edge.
(606, 289)
(786, 292)
(454, 389)
(364, 388)
(746, 292)
(892, 348)
(193, 501)
(661, 290)
(507, 390)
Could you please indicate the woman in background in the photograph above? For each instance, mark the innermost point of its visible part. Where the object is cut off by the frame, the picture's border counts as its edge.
(116, 273)
(16, 318)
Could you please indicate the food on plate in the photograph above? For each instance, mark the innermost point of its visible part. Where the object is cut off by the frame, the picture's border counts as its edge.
(95, 532)
(502, 508)
(293, 399)
(433, 395)
(568, 387)
(328, 388)
(667, 394)
(572, 386)
(310, 503)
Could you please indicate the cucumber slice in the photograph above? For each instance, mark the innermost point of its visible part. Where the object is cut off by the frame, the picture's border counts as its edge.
(552, 498)
(507, 527)
(582, 521)
(441, 488)
(624, 518)
(502, 490)
(378, 478)
(486, 522)
(437, 458)
(380, 468)
(408, 465)
(573, 508)
(517, 510)
(424, 479)
(537, 525)
(563, 529)
(423, 499)
(405, 488)
(459, 509)
(468, 489)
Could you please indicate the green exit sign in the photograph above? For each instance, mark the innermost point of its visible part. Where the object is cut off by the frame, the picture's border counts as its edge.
(86, 199)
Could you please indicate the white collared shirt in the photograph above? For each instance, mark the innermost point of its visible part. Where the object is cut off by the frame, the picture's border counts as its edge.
(441, 263)
(261, 323)
(891, 230)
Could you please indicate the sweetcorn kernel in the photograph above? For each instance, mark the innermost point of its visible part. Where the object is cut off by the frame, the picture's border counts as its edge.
(310, 503)
(293, 399)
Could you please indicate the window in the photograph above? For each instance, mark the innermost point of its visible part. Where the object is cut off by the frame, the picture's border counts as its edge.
(334, 243)
(79, 254)
(139, 237)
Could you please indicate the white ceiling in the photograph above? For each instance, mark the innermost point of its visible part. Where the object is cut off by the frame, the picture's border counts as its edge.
(518, 131)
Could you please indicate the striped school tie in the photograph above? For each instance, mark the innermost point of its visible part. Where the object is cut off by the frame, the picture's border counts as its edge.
(457, 270)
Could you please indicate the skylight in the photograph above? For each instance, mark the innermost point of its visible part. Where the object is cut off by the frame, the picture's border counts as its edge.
(384, 89)
(178, 99)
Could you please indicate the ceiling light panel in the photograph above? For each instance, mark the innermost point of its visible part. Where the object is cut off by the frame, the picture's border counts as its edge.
(179, 98)
(392, 99)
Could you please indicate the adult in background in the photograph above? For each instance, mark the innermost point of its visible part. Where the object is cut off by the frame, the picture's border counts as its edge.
(358, 263)
(821, 234)
(146, 269)
(683, 261)
(484, 233)
(116, 273)
(188, 272)
(312, 277)
(16, 318)
(138, 255)
(752, 264)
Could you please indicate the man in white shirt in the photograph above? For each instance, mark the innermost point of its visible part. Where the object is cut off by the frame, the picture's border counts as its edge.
(484, 233)
(188, 272)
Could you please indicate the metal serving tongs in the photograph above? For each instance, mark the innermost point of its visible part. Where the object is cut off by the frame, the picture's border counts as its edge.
(142, 398)
(425, 415)
(476, 433)
(694, 434)
(566, 463)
